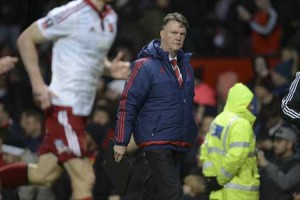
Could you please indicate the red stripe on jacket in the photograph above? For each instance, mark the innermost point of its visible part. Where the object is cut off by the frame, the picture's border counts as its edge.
(175, 143)
(121, 125)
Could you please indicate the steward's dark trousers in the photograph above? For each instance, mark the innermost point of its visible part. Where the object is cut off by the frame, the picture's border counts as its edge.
(164, 181)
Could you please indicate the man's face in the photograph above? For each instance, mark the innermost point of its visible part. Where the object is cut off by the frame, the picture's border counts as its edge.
(260, 91)
(29, 124)
(261, 66)
(250, 107)
(261, 3)
(173, 36)
(296, 196)
(101, 117)
(280, 147)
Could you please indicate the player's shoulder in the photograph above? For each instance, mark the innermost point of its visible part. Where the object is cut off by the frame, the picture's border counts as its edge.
(69, 7)
(110, 12)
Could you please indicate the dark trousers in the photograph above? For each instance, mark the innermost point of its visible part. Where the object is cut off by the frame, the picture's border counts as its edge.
(164, 180)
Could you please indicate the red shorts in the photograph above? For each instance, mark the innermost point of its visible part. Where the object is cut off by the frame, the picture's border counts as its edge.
(65, 134)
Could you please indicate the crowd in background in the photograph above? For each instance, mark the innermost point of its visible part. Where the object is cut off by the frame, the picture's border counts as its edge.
(217, 28)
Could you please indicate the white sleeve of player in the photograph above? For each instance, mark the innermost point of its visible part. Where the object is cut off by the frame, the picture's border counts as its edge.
(58, 23)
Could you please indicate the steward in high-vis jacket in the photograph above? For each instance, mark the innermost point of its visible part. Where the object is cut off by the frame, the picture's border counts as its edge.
(228, 153)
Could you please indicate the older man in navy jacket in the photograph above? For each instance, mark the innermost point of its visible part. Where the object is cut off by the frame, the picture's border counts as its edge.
(157, 107)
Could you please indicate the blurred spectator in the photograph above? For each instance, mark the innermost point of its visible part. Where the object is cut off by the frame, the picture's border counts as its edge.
(289, 53)
(264, 142)
(200, 15)
(268, 115)
(205, 95)
(95, 136)
(279, 179)
(13, 85)
(221, 11)
(7, 122)
(261, 66)
(268, 104)
(129, 11)
(150, 22)
(114, 90)
(112, 95)
(281, 76)
(261, 70)
(264, 23)
(225, 37)
(290, 20)
(101, 89)
(104, 115)
(296, 195)
(4, 86)
(11, 15)
(201, 88)
(224, 82)
(32, 124)
(101, 116)
(7, 63)
(3, 135)
(126, 47)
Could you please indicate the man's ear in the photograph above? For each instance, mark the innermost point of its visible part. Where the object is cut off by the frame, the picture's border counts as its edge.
(162, 34)
(290, 145)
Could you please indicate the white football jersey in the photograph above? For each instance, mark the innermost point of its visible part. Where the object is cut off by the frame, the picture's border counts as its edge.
(82, 38)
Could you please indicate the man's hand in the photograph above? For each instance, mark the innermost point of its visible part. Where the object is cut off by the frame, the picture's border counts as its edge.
(119, 152)
(261, 159)
(243, 13)
(118, 69)
(211, 184)
(7, 63)
(42, 96)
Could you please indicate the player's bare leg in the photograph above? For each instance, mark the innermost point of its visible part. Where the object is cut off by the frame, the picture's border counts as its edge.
(46, 171)
(82, 177)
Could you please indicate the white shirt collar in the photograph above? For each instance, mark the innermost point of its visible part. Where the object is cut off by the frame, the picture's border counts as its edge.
(170, 58)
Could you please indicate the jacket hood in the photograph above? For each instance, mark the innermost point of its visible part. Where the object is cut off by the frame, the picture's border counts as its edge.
(153, 50)
(239, 98)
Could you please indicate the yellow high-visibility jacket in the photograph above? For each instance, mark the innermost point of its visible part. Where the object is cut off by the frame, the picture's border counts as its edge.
(228, 152)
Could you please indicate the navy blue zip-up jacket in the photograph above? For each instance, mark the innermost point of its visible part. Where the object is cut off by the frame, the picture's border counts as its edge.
(153, 106)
